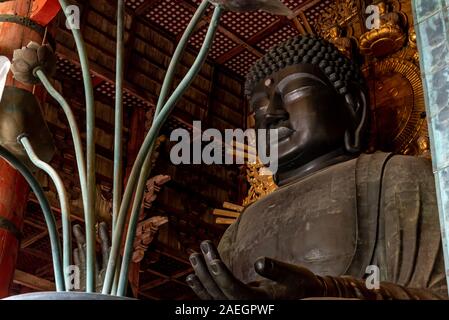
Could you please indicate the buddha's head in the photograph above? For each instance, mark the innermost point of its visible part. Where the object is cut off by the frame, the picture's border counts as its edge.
(313, 95)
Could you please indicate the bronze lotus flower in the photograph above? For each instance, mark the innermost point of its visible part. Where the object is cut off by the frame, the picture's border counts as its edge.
(28, 59)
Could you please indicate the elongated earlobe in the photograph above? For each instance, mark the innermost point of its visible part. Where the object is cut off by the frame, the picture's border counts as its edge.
(358, 109)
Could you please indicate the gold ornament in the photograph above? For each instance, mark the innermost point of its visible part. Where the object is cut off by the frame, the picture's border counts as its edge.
(388, 38)
(261, 181)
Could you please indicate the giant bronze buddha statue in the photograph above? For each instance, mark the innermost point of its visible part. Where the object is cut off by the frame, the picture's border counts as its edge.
(337, 211)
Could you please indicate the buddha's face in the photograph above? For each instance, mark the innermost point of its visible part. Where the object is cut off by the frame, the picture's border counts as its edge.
(302, 105)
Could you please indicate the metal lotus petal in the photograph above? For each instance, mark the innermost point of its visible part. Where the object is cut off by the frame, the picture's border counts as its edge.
(271, 6)
(20, 113)
(5, 65)
(28, 58)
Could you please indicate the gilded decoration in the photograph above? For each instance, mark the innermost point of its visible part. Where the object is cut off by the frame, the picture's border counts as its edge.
(261, 182)
(388, 34)
(397, 100)
(337, 14)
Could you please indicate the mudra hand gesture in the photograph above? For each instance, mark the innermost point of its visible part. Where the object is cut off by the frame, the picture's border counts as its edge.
(213, 280)
(79, 254)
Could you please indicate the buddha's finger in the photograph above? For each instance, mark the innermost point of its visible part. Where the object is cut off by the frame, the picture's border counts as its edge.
(233, 288)
(202, 272)
(79, 235)
(280, 271)
(104, 237)
(292, 276)
(80, 241)
(209, 251)
(76, 257)
(194, 283)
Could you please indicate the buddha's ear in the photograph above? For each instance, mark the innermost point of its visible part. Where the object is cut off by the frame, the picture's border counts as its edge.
(357, 105)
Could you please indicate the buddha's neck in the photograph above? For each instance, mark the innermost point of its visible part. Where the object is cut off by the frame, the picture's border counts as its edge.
(317, 164)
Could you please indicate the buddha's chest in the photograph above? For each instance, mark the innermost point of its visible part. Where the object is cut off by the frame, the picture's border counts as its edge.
(312, 223)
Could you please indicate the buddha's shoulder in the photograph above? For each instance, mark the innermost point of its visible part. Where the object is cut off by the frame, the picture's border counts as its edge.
(407, 171)
(398, 163)
(401, 164)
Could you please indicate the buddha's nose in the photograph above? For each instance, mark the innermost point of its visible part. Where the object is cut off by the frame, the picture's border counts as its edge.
(275, 112)
(275, 116)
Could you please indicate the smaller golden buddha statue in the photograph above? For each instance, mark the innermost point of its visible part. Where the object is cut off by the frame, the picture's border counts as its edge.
(424, 147)
(388, 35)
(386, 17)
(342, 43)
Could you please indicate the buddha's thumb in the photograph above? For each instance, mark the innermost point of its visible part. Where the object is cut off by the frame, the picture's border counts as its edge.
(271, 269)
(280, 271)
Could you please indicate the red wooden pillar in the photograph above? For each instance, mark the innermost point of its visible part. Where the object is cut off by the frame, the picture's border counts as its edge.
(14, 190)
(136, 137)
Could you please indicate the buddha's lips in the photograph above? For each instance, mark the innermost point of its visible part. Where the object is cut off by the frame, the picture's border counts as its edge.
(284, 132)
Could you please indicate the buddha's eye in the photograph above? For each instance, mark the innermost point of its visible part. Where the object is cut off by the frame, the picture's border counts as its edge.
(297, 94)
(261, 109)
(261, 105)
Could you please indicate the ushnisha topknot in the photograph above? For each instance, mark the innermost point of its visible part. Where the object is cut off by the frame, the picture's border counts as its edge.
(306, 49)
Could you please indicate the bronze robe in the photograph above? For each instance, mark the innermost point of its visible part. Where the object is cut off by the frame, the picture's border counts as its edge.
(377, 209)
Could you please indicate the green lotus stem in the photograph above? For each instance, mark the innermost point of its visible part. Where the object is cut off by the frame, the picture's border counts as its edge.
(147, 147)
(90, 151)
(168, 80)
(49, 217)
(116, 277)
(129, 190)
(167, 84)
(131, 233)
(79, 153)
(117, 183)
(65, 208)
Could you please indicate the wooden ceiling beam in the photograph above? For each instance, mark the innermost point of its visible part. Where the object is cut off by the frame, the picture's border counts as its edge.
(192, 8)
(30, 281)
(129, 45)
(179, 256)
(270, 29)
(149, 296)
(305, 22)
(253, 40)
(29, 241)
(35, 225)
(99, 71)
(38, 254)
(45, 269)
(153, 284)
(297, 24)
(55, 208)
(183, 273)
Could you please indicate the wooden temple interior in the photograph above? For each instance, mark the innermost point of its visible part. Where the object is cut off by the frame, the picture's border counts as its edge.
(186, 204)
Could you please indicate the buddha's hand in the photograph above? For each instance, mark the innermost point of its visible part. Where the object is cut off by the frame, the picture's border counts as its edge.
(79, 255)
(214, 281)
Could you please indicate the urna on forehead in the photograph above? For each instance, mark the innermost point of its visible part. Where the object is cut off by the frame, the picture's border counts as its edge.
(312, 50)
